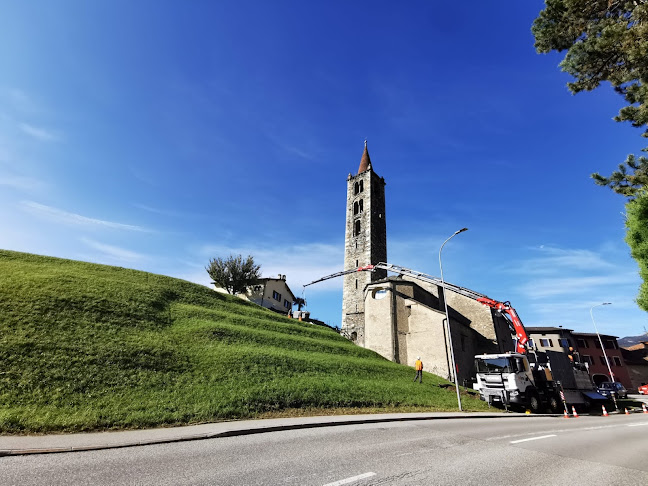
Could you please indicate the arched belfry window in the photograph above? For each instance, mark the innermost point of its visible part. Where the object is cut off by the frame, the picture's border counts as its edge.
(361, 186)
(356, 228)
(356, 188)
(360, 204)
(356, 208)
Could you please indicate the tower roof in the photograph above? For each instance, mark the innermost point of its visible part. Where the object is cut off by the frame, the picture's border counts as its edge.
(365, 161)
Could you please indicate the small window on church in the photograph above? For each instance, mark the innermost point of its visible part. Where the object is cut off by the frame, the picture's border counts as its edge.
(356, 208)
(361, 205)
(356, 188)
(354, 336)
(361, 186)
(379, 294)
(356, 228)
(356, 284)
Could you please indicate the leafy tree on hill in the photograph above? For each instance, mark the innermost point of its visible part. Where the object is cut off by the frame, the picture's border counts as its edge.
(605, 40)
(234, 273)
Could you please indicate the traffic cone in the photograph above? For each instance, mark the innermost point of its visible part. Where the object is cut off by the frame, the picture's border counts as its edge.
(605, 414)
(566, 415)
(626, 412)
(574, 412)
(643, 405)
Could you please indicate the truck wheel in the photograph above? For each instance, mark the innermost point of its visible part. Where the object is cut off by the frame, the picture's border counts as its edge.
(554, 405)
(534, 403)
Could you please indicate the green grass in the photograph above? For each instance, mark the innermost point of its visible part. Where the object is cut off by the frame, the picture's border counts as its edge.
(91, 347)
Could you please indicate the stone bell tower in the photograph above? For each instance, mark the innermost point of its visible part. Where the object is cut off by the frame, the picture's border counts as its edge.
(365, 243)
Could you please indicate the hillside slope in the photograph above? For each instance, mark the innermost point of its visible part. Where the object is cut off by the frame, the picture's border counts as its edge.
(86, 346)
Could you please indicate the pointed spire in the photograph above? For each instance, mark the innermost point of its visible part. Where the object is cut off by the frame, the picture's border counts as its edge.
(365, 161)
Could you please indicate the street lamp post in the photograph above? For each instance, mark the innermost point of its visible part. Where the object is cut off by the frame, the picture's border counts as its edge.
(607, 361)
(445, 303)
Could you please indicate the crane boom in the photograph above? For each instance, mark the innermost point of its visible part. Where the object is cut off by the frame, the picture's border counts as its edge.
(502, 308)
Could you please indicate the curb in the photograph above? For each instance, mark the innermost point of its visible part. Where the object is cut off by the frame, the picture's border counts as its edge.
(247, 431)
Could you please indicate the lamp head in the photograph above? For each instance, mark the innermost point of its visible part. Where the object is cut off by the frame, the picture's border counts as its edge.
(461, 231)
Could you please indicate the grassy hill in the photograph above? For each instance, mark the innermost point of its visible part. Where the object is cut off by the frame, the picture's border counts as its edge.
(87, 347)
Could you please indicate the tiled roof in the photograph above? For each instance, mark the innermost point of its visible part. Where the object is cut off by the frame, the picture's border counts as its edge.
(365, 161)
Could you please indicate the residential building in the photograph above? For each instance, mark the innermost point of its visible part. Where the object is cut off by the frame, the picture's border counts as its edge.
(271, 293)
(551, 339)
(636, 360)
(589, 348)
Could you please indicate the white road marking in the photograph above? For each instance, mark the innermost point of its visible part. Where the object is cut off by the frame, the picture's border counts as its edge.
(533, 438)
(500, 437)
(637, 425)
(351, 480)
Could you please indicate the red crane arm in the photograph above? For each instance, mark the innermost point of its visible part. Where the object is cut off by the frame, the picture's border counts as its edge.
(514, 319)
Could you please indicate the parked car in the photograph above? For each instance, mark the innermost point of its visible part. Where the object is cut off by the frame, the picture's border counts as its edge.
(643, 389)
(608, 387)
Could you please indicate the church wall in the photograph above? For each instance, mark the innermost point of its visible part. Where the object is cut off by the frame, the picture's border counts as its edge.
(379, 315)
(427, 339)
(404, 293)
(481, 319)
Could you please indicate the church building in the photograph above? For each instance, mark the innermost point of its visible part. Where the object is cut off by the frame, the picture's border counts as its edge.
(401, 317)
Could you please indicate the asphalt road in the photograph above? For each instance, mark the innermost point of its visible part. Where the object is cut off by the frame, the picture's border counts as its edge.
(537, 450)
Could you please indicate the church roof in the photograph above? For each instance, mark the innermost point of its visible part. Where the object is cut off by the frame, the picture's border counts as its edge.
(365, 161)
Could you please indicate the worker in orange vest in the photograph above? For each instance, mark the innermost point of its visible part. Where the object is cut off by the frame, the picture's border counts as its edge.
(418, 366)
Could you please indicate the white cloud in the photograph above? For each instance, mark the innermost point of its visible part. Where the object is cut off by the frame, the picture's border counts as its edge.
(556, 271)
(19, 182)
(167, 212)
(546, 287)
(21, 101)
(552, 259)
(60, 216)
(560, 286)
(114, 253)
(300, 263)
(39, 133)
(289, 148)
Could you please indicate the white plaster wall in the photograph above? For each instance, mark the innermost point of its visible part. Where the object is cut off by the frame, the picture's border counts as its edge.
(379, 328)
(427, 340)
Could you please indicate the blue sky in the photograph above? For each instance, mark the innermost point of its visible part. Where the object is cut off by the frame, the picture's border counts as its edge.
(156, 135)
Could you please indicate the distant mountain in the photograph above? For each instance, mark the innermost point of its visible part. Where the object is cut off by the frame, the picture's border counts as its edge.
(632, 340)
